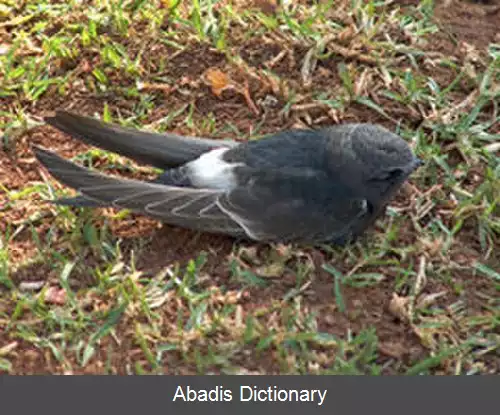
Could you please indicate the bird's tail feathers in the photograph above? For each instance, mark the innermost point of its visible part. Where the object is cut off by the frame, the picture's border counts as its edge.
(159, 150)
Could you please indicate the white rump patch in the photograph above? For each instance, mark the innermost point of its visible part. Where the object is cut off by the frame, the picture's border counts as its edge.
(211, 171)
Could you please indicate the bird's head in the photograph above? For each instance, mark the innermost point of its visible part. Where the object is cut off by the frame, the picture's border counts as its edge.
(372, 158)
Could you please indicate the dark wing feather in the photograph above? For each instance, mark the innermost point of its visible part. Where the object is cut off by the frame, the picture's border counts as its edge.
(189, 208)
(160, 150)
(294, 205)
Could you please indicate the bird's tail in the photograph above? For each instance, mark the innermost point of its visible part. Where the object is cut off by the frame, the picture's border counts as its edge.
(160, 150)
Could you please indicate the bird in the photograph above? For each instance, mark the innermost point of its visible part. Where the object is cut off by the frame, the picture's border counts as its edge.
(304, 186)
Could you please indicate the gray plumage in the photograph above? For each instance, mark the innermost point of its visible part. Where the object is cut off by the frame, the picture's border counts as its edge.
(308, 186)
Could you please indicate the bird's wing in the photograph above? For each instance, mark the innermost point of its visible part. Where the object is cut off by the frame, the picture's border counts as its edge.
(294, 205)
(186, 207)
(285, 205)
(160, 150)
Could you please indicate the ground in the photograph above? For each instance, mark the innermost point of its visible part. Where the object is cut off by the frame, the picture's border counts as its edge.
(106, 291)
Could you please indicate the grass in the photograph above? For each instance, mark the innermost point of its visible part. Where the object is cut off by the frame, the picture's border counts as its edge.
(107, 291)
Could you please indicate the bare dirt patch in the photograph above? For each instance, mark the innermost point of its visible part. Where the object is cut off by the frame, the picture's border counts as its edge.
(472, 21)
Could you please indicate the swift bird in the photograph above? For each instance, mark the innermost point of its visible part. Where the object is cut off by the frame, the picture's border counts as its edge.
(305, 186)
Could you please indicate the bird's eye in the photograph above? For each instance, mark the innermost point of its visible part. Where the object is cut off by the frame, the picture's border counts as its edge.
(390, 174)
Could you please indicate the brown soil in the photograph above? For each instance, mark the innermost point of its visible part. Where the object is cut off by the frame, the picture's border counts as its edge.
(472, 21)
